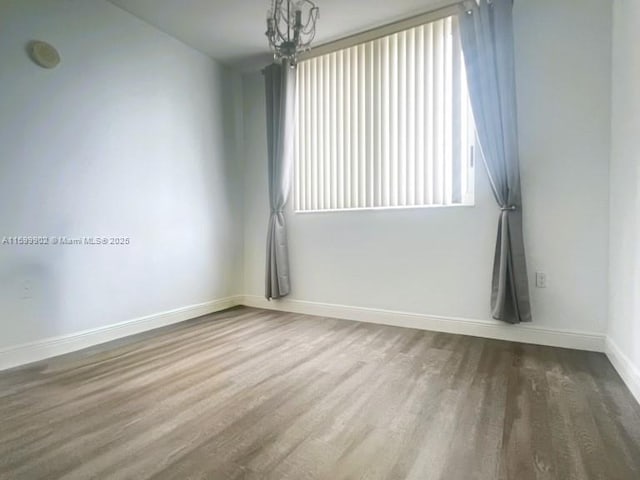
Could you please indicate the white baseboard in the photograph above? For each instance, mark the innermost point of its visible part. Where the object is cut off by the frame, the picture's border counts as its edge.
(39, 350)
(476, 328)
(626, 369)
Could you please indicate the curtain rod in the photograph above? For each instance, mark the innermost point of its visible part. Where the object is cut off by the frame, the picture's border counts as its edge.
(443, 11)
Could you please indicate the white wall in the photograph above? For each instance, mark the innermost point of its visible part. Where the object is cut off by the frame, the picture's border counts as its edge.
(624, 287)
(132, 135)
(438, 261)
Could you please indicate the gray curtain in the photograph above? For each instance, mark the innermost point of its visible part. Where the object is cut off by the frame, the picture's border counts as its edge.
(280, 89)
(486, 31)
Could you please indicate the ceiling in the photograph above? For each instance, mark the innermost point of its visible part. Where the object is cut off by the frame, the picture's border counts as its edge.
(232, 31)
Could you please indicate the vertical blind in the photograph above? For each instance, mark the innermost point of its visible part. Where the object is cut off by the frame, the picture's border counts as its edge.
(385, 124)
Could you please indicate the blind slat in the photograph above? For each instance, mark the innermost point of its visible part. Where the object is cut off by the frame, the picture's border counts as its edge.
(447, 118)
(411, 120)
(402, 118)
(298, 140)
(430, 147)
(419, 106)
(333, 91)
(377, 100)
(362, 127)
(438, 109)
(386, 121)
(347, 128)
(355, 120)
(316, 139)
(340, 127)
(393, 94)
(326, 117)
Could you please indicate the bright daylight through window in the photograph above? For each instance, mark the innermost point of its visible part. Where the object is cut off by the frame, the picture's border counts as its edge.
(385, 124)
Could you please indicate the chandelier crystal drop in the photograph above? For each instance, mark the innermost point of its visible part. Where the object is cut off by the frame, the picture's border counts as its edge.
(291, 27)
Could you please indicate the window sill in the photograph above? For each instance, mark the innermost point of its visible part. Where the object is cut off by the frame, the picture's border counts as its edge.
(368, 209)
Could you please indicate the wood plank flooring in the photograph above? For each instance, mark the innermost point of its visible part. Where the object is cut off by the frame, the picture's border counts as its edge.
(253, 394)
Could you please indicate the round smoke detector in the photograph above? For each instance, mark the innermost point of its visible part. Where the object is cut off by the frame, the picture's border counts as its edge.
(44, 54)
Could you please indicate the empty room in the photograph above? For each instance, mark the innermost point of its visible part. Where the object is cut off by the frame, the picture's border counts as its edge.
(319, 239)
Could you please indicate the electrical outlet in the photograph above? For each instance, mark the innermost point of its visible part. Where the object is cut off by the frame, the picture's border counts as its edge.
(541, 280)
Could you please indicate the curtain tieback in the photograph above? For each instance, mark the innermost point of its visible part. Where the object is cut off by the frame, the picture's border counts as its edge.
(509, 208)
(277, 211)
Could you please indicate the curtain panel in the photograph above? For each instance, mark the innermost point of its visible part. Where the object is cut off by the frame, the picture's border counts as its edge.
(280, 107)
(486, 30)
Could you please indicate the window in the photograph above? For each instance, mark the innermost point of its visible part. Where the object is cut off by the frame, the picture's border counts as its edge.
(385, 124)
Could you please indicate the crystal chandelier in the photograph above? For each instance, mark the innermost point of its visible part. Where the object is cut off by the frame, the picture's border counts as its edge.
(291, 27)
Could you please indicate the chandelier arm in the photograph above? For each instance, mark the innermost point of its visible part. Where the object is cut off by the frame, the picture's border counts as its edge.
(307, 30)
(307, 45)
(281, 35)
(311, 21)
(289, 32)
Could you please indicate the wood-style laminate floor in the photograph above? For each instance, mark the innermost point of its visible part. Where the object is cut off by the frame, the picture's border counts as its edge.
(252, 394)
